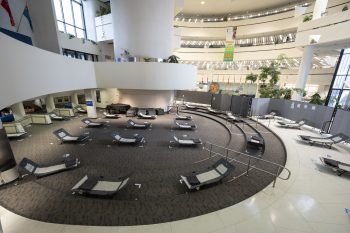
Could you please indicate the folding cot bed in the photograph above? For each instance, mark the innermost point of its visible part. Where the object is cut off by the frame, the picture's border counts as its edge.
(255, 145)
(131, 112)
(55, 117)
(183, 117)
(64, 136)
(92, 124)
(110, 115)
(214, 111)
(231, 117)
(81, 110)
(256, 140)
(187, 141)
(135, 139)
(291, 125)
(326, 141)
(215, 173)
(151, 112)
(99, 185)
(191, 107)
(185, 125)
(19, 131)
(271, 115)
(336, 165)
(143, 115)
(28, 166)
(136, 125)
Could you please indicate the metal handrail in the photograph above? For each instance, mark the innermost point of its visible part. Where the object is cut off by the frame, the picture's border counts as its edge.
(280, 168)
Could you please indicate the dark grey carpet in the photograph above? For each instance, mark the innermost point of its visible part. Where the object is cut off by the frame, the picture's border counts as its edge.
(155, 166)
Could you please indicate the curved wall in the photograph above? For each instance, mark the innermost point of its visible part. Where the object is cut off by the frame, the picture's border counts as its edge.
(144, 27)
(145, 75)
(240, 53)
(28, 72)
(279, 22)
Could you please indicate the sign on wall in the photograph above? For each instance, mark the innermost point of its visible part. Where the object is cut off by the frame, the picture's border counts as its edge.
(230, 44)
(89, 103)
(214, 88)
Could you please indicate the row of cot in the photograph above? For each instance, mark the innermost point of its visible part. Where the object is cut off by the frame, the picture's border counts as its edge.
(340, 167)
(108, 186)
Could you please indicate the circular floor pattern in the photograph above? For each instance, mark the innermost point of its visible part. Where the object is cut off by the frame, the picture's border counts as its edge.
(156, 166)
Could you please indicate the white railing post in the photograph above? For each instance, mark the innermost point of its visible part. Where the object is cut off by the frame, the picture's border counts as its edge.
(248, 167)
(274, 182)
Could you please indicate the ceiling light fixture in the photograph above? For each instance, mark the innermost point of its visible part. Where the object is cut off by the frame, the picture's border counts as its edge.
(202, 2)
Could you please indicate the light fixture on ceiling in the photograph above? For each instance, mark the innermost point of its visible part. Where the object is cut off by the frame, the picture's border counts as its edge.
(202, 2)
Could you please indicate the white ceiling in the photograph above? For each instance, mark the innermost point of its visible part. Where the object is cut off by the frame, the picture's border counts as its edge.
(217, 7)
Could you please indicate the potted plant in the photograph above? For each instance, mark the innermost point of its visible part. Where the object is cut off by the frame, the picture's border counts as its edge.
(252, 77)
(103, 11)
(307, 18)
(125, 54)
(316, 99)
(173, 59)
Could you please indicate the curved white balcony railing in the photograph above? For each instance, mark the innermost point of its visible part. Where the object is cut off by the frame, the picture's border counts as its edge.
(28, 72)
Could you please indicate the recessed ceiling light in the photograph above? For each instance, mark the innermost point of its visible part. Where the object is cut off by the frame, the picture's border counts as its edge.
(202, 2)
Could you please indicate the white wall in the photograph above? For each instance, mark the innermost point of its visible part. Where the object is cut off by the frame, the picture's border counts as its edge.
(240, 53)
(254, 26)
(147, 98)
(331, 29)
(28, 72)
(144, 27)
(106, 49)
(44, 24)
(108, 96)
(145, 75)
(78, 44)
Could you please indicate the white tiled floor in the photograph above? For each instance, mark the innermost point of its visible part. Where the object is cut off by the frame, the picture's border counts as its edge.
(312, 200)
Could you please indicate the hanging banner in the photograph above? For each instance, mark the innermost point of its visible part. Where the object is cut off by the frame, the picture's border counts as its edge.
(229, 49)
(230, 44)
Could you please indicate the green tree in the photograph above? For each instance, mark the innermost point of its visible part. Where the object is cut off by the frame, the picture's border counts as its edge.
(252, 77)
(316, 99)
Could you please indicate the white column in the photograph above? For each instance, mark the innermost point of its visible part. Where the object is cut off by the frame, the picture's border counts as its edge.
(304, 70)
(74, 99)
(18, 111)
(50, 103)
(8, 170)
(319, 9)
(143, 27)
(90, 98)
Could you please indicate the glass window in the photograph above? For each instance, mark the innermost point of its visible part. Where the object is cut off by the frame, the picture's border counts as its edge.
(344, 65)
(70, 17)
(341, 86)
(58, 10)
(67, 11)
(344, 100)
(80, 33)
(78, 15)
(333, 98)
(60, 26)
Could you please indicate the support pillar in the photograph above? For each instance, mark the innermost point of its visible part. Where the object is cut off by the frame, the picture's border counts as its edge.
(50, 103)
(8, 170)
(319, 9)
(74, 99)
(90, 98)
(151, 38)
(304, 70)
(18, 111)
